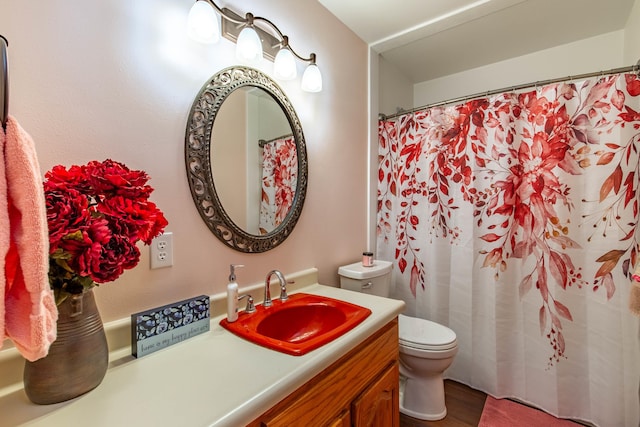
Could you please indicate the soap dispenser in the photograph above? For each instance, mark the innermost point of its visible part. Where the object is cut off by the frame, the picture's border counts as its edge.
(232, 294)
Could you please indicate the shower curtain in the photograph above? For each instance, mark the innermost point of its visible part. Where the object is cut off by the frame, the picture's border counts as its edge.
(513, 219)
(279, 178)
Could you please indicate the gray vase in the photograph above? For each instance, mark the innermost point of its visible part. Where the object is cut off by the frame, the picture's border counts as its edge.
(78, 358)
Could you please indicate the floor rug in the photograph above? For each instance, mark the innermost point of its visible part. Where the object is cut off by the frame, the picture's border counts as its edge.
(507, 413)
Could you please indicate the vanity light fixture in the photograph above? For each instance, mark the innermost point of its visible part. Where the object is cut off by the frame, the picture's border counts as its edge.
(284, 65)
(202, 23)
(312, 79)
(248, 44)
(251, 40)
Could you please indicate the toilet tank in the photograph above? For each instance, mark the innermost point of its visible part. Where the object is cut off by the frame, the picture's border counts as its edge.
(375, 280)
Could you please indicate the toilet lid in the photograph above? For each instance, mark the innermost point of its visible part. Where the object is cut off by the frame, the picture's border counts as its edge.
(425, 334)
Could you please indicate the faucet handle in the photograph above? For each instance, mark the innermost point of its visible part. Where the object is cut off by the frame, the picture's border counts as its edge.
(250, 308)
(283, 290)
(283, 293)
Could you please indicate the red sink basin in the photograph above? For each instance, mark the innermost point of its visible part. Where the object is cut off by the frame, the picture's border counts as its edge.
(299, 325)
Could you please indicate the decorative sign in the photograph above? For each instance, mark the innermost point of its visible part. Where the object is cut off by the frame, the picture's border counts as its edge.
(161, 327)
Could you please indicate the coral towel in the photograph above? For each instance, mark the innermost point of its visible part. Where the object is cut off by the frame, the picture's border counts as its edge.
(634, 298)
(634, 294)
(29, 312)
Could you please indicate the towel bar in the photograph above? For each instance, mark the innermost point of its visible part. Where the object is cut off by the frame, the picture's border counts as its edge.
(4, 81)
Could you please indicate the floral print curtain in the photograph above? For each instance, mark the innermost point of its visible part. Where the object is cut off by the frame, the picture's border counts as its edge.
(513, 219)
(279, 178)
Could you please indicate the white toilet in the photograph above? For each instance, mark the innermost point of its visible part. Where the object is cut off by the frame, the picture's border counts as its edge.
(426, 348)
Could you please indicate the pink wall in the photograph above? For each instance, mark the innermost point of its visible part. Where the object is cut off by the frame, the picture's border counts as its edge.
(116, 79)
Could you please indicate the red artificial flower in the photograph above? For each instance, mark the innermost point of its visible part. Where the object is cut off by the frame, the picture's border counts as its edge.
(115, 179)
(116, 256)
(96, 214)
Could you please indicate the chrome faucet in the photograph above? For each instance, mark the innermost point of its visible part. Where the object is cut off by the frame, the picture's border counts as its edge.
(250, 308)
(267, 292)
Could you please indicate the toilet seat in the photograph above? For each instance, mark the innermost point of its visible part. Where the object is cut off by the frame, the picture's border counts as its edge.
(413, 332)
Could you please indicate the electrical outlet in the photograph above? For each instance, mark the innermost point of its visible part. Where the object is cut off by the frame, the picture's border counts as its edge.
(162, 251)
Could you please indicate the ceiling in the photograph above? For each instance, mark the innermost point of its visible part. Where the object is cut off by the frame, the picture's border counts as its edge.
(426, 39)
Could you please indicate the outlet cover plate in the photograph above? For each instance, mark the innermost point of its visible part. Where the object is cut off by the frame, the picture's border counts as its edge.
(162, 251)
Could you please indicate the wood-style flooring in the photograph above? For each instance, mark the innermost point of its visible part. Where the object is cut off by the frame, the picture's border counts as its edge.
(464, 408)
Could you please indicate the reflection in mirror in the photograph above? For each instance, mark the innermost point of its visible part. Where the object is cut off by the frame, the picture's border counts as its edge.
(253, 160)
(246, 159)
(279, 180)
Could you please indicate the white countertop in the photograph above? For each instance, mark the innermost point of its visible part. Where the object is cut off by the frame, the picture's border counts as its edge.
(213, 379)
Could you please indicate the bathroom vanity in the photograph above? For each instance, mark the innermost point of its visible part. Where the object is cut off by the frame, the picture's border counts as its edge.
(360, 387)
(219, 379)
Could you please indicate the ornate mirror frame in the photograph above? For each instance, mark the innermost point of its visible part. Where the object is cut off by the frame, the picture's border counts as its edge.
(198, 159)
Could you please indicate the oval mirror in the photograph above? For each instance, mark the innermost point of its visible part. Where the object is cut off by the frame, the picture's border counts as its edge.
(246, 159)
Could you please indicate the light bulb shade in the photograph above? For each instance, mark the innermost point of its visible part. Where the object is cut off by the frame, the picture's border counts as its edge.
(312, 79)
(284, 66)
(202, 23)
(248, 45)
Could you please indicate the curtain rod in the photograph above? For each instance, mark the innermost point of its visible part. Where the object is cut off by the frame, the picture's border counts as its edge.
(262, 142)
(629, 69)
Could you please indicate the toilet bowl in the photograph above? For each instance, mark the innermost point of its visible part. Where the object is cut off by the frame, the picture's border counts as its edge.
(427, 348)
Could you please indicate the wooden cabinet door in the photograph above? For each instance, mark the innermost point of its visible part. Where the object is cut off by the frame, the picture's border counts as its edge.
(343, 420)
(378, 405)
(328, 399)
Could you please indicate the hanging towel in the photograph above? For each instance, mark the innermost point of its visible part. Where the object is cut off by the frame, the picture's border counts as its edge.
(30, 312)
(4, 233)
(634, 298)
(634, 294)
